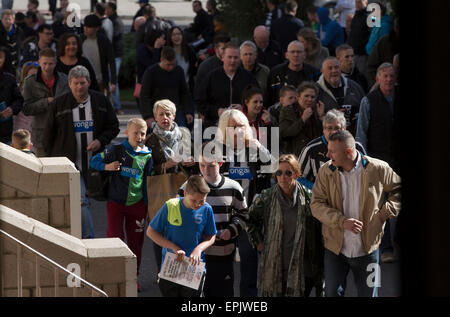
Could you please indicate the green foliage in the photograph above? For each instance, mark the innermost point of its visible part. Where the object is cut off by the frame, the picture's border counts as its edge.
(127, 73)
(241, 16)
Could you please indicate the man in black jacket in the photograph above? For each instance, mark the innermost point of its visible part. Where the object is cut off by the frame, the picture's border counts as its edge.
(11, 35)
(201, 26)
(346, 57)
(223, 87)
(293, 72)
(285, 29)
(359, 35)
(166, 80)
(11, 102)
(79, 125)
(99, 51)
(269, 51)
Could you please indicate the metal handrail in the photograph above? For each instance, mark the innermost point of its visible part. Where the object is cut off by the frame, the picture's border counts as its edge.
(57, 266)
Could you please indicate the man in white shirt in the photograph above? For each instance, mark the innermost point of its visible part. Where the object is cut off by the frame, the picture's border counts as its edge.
(353, 196)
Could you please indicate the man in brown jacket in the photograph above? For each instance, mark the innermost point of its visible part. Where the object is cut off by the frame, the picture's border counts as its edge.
(352, 197)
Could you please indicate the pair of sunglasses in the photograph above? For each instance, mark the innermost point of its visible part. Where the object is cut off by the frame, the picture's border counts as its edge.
(32, 63)
(288, 173)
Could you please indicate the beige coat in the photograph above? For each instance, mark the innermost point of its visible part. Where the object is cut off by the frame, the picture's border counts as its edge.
(377, 178)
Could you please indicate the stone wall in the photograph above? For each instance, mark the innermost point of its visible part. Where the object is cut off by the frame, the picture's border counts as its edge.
(40, 206)
(106, 263)
(45, 189)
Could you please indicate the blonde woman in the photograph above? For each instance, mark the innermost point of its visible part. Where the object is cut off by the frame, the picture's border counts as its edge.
(168, 143)
(244, 159)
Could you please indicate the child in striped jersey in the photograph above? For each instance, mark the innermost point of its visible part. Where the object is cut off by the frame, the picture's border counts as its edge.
(230, 213)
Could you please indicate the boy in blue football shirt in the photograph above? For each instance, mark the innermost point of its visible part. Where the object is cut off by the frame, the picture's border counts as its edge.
(184, 226)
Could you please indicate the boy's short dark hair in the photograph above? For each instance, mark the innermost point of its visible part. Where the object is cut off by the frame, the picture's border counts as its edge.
(22, 138)
(221, 38)
(168, 53)
(287, 88)
(197, 184)
(43, 27)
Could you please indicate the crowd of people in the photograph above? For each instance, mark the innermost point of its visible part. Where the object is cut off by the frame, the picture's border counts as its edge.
(327, 90)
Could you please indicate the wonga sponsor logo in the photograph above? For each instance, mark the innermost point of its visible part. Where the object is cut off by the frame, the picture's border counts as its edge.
(130, 172)
(83, 126)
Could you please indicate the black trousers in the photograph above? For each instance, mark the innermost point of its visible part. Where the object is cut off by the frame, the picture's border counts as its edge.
(170, 289)
(219, 280)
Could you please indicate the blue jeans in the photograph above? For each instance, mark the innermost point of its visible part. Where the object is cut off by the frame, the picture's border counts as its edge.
(116, 94)
(364, 268)
(87, 226)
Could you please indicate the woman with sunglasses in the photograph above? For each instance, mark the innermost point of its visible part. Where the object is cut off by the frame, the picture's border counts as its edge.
(301, 121)
(70, 52)
(286, 235)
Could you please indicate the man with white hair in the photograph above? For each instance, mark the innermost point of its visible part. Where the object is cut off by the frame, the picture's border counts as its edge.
(269, 51)
(314, 154)
(79, 125)
(339, 92)
(249, 53)
(376, 116)
(375, 131)
(293, 72)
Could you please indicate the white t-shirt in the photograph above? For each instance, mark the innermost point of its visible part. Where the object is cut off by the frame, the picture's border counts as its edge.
(351, 187)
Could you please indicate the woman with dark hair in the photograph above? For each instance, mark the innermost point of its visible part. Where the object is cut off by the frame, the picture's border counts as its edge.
(186, 56)
(301, 122)
(252, 106)
(149, 52)
(70, 55)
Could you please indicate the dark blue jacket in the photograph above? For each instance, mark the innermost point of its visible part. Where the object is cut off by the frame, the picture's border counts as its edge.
(129, 185)
(334, 34)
